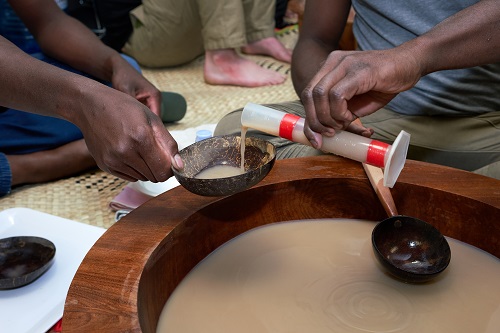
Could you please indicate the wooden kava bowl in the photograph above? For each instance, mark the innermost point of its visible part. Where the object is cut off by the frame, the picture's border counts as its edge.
(128, 275)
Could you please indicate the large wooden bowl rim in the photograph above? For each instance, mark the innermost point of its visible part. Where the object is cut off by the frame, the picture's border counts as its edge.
(104, 293)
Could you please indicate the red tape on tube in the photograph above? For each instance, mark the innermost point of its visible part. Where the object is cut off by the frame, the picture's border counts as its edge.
(376, 153)
(287, 124)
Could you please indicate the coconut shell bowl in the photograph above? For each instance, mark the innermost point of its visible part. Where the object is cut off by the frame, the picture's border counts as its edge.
(259, 158)
(126, 278)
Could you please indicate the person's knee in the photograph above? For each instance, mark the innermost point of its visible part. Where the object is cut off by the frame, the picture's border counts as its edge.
(491, 170)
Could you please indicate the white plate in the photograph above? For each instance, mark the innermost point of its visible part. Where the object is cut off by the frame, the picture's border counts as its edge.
(154, 189)
(36, 307)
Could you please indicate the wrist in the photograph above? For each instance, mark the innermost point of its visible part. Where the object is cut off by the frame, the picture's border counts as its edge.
(116, 64)
(415, 53)
(79, 99)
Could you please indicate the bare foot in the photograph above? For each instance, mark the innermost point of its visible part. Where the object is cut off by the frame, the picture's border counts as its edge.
(44, 166)
(227, 67)
(270, 46)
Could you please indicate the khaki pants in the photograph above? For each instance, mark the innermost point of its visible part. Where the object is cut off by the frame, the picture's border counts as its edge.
(467, 143)
(174, 32)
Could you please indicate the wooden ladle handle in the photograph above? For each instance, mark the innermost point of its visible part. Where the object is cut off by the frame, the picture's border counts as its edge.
(376, 177)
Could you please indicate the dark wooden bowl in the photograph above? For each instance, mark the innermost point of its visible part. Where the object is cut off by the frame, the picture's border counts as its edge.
(127, 276)
(225, 150)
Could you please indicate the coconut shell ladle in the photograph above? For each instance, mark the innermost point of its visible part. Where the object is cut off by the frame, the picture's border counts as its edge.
(410, 249)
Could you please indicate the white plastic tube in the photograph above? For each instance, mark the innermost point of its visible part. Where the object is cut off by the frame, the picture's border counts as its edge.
(346, 144)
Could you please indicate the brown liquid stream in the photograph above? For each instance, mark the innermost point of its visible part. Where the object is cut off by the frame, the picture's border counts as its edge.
(243, 139)
(224, 171)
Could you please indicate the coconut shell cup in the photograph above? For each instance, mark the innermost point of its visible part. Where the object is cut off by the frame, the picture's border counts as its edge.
(259, 156)
(23, 259)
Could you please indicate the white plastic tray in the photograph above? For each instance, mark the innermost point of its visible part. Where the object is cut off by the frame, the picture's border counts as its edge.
(38, 306)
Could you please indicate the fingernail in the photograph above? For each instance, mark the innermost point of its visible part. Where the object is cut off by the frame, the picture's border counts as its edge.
(314, 143)
(316, 140)
(330, 132)
(177, 162)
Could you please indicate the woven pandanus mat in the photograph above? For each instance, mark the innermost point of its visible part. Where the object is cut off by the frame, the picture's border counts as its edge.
(207, 104)
(85, 198)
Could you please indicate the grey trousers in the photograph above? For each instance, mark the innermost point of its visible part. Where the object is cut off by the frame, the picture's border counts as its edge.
(173, 32)
(467, 143)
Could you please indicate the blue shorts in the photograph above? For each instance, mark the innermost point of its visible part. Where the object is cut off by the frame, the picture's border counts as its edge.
(23, 132)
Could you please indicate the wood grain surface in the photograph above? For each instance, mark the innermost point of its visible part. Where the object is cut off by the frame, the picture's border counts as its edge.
(126, 278)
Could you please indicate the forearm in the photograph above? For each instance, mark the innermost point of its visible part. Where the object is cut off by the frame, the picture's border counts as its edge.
(81, 50)
(320, 34)
(31, 85)
(469, 38)
(71, 43)
(68, 40)
(307, 59)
